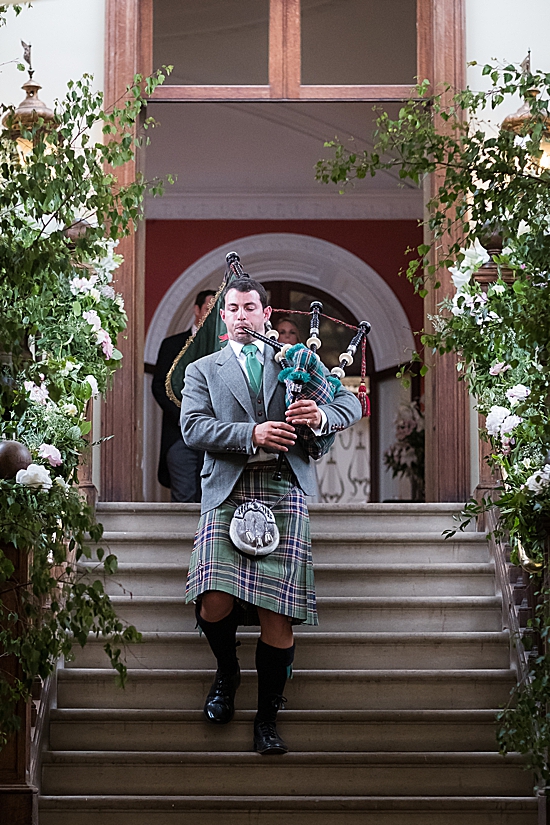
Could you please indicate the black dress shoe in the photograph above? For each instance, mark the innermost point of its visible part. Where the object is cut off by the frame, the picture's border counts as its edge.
(266, 739)
(220, 702)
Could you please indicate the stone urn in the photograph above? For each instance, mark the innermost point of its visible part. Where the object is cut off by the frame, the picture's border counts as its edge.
(14, 456)
(489, 273)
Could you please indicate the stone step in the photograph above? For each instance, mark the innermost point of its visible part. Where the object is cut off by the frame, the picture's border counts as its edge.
(357, 547)
(304, 730)
(140, 579)
(288, 810)
(345, 518)
(309, 689)
(318, 650)
(346, 774)
(374, 613)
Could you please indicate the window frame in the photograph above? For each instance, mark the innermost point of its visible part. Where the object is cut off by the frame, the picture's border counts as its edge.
(285, 67)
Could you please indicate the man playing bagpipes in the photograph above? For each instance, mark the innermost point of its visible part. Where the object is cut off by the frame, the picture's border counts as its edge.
(251, 563)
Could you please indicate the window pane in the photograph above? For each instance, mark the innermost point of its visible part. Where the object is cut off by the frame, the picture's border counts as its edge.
(358, 42)
(212, 42)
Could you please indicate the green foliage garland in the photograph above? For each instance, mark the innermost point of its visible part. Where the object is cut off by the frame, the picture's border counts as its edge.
(59, 320)
(487, 181)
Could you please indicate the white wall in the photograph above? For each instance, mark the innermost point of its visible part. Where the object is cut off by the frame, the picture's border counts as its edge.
(67, 38)
(505, 30)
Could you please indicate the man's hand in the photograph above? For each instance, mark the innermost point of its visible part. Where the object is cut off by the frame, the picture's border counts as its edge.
(275, 435)
(305, 412)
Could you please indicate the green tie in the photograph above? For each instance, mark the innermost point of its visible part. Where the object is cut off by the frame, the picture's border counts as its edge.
(253, 367)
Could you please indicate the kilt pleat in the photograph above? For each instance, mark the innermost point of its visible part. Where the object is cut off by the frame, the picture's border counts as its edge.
(282, 581)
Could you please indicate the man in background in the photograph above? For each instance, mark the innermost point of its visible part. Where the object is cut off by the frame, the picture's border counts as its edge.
(179, 466)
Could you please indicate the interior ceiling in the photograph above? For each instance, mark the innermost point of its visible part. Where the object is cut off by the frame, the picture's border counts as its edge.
(224, 150)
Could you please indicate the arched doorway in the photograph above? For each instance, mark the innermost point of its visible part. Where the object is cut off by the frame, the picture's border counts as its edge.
(311, 267)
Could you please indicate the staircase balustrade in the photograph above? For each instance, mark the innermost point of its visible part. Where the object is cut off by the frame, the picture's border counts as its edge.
(521, 596)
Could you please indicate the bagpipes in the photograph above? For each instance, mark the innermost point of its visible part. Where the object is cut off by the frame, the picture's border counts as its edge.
(302, 372)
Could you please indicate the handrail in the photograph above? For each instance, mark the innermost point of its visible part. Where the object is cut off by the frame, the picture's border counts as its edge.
(510, 612)
(40, 731)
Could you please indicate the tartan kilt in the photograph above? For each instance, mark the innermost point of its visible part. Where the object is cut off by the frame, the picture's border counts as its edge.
(283, 580)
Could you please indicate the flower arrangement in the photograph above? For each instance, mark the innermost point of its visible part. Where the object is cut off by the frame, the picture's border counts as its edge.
(405, 457)
(60, 316)
(487, 181)
(496, 328)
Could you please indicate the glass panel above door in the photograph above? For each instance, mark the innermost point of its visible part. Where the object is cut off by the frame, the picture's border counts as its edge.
(358, 42)
(212, 42)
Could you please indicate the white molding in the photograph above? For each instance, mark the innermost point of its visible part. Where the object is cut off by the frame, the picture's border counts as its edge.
(301, 259)
(401, 205)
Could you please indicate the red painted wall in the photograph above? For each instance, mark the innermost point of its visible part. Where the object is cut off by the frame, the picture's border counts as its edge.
(172, 246)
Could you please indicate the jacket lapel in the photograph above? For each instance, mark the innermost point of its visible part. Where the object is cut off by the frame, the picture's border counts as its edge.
(233, 377)
(271, 375)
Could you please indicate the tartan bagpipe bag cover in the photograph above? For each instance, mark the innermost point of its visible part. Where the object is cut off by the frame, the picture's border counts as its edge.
(318, 386)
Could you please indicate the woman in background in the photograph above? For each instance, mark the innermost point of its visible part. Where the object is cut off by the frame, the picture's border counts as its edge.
(288, 331)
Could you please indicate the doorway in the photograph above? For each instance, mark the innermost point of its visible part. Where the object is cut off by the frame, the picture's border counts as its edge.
(297, 269)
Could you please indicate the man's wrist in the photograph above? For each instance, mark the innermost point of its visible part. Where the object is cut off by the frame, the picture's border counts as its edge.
(320, 430)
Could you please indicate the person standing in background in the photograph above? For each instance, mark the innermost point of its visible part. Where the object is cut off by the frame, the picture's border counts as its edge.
(179, 466)
(288, 331)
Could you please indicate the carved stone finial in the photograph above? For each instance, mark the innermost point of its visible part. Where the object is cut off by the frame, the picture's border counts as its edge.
(27, 57)
(526, 63)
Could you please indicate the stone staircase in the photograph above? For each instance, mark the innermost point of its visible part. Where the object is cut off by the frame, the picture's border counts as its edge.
(390, 712)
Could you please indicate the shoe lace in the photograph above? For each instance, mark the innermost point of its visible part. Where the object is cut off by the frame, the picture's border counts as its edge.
(268, 730)
(224, 682)
(279, 702)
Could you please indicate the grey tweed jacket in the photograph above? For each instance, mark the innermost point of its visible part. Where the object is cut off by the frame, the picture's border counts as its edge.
(217, 416)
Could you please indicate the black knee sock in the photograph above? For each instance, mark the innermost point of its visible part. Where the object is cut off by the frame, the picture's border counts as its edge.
(221, 638)
(273, 665)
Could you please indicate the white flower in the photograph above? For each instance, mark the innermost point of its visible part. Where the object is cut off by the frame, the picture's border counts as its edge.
(92, 381)
(499, 368)
(495, 418)
(85, 285)
(95, 294)
(474, 256)
(498, 288)
(509, 424)
(518, 393)
(459, 278)
(538, 482)
(119, 301)
(37, 393)
(69, 367)
(107, 291)
(51, 453)
(35, 476)
(106, 265)
(70, 409)
(92, 318)
(61, 482)
(466, 303)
